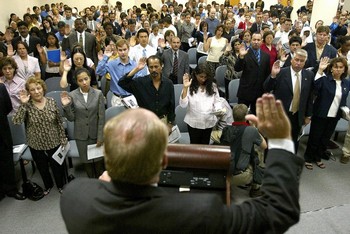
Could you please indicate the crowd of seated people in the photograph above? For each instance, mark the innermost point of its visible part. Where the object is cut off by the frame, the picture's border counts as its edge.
(57, 40)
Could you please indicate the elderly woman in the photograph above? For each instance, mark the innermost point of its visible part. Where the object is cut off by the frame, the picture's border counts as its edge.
(13, 83)
(27, 65)
(199, 95)
(331, 91)
(44, 130)
(85, 106)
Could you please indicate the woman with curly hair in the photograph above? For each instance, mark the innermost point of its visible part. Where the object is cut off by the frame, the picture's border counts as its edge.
(200, 96)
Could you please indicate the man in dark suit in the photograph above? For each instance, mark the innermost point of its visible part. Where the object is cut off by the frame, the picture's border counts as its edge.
(87, 40)
(319, 49)
(7, 168)
(24, 36)
(168, 59)
(257, 25)
(255, 65)
(282, 83)
(128, 200)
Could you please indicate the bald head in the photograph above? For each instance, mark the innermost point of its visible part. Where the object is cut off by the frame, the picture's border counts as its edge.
(135, 145)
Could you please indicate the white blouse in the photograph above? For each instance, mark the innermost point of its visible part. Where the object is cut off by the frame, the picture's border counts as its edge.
(200, 108)
(27, 68)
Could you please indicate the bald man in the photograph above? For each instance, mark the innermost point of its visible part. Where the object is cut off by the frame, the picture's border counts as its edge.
(129, 201)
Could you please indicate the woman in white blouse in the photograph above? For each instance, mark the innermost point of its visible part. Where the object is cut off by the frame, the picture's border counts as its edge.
(27, 65)
(201, 98)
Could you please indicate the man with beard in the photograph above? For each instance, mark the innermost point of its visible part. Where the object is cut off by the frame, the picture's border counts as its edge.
(152, 92)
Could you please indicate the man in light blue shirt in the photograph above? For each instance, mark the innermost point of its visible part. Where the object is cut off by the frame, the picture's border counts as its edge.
(117, 68)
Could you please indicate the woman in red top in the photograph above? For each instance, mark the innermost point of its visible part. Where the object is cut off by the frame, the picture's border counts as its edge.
(268, 47)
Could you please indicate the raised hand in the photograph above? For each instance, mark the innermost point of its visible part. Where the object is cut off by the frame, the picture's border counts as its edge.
(270, 119)
(161, 42)
(40, 48)
(100, 55)
(67, 66)
(324, 62)
(63, 56)
(8, 37)
(187, 80)
(24, 96)
(242, 50)
(132, 41)
(141, 64)
(65, 98)
(10, 51)
(276, 68)
(283, 55)
(108, 51)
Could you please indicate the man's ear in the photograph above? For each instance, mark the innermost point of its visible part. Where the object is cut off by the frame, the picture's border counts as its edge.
(164, 161)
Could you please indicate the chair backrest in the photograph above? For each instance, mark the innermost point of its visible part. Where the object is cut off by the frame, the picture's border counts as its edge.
(192, 57)
(177, 90)
(220, 76)
(56, 95)
(18, 132)
(202, 59)
(232, 91)
(109, 99)
(53, 84)
(114, 111)
(179, 118)
(348, 100)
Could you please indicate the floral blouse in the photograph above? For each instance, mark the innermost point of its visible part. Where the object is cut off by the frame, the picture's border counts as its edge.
(44, 128)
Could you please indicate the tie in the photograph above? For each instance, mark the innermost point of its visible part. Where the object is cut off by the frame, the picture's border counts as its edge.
(176, 65)
(296, 95)
(144, 53)
(25, 41)
(256, 53)
(81, 39)
(259, 28)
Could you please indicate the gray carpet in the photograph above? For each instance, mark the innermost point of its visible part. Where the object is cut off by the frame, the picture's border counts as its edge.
(324, 200)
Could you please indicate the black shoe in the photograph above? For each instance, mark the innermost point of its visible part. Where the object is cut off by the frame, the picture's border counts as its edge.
(17, 196)
(326, 155)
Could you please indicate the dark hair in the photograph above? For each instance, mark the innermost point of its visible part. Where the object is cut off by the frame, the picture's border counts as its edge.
(8, 61)
(131, 21)
(233, 42)
(24, 44)
(78, 71)
(321, 29)
(218, 27)
(54, 35)
(295, 39)
(339, 60)
(341, 40)
(155, 57)
(22, 23)
(142, 30)
(109, 39)
(266, 34)
(202, 24)
(61, 24)
(78, 49)
(209, 87)
(46, 19)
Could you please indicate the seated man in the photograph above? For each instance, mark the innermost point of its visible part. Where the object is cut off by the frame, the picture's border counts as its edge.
(129, 201)
(246, 166)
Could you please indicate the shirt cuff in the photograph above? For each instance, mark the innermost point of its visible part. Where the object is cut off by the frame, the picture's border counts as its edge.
(281, 143)
(318, 76)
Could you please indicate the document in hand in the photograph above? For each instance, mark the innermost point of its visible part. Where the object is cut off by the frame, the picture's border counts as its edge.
(61, 153)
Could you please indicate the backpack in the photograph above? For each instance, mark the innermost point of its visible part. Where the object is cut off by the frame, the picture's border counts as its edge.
(32, 190)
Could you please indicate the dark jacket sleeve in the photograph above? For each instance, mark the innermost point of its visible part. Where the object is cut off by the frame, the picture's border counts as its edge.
(126, 83)
(278, 209)
(270, 84)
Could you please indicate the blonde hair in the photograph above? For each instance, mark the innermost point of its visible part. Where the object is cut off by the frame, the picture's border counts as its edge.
(35, 80)
(135, 143)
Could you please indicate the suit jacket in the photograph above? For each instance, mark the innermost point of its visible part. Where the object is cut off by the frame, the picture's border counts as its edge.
(94, 206)
(89, 48)
(88, 117)
(183, 64)
(253, 75)
(282, 88)
(328, 51)
(33, 41)
(5, 109)
(254, 27)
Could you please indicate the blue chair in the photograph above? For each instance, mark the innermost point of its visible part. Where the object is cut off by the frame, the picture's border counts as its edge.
(232, 92)
(53, 84)
(179, 119)
(177, 90)
(114, 111)
(192, 57)
(220, 77)
(202, 59)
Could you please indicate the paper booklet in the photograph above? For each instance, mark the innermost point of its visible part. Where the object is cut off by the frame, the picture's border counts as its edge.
(61, 153)
(19, 149)
(94, 152)
(200, 48)
(130, 102)
(175, 134)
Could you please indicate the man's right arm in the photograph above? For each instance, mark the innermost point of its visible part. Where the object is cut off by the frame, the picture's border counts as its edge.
(278, 208)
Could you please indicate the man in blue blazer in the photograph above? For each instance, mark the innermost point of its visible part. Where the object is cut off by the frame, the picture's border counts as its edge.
(319, 49)
(129, 201)
(282, 83)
